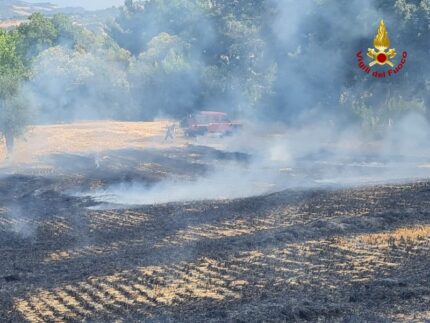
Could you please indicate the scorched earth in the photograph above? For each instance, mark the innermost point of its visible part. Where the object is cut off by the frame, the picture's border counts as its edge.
(302, 254)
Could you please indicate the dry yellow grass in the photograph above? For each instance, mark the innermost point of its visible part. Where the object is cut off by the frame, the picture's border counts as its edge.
(10, 23)
(403, 234)
(206, 278)
(338, 266)
(413, 236)
(150, 286)
(87, 137)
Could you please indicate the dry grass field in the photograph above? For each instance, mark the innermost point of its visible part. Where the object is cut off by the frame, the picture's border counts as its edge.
(4, 24)
(87, 137)
(316, 255)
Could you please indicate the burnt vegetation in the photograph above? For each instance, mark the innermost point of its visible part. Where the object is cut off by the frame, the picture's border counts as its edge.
(342, 255)
(313, 253)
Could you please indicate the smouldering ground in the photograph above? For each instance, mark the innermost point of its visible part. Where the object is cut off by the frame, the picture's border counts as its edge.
(351, 255)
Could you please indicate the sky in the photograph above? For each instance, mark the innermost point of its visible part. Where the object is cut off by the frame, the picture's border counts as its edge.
(87, 4)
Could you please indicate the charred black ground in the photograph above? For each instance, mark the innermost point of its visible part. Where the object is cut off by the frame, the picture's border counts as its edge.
(347, 255)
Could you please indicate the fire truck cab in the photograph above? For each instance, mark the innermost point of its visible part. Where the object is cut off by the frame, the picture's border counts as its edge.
(208, 122)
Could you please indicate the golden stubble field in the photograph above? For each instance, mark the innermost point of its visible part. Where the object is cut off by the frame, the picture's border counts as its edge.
(5, 24)
(345, 255)
(85, 137)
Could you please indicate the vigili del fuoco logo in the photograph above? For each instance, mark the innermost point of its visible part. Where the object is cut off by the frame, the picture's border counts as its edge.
(381, 55)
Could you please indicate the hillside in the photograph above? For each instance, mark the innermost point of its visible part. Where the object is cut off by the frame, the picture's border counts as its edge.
(10, 9)
(13, 13)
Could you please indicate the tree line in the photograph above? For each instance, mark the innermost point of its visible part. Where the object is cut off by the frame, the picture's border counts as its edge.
(266, 59)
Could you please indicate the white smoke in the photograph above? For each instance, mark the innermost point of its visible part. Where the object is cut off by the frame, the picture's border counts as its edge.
(316, 42)
(308, 157)
(20, 223)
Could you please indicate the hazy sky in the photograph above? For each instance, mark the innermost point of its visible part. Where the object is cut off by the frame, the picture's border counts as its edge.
(87, 4)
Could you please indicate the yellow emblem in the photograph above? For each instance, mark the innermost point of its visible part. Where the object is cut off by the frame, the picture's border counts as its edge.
(381, 43)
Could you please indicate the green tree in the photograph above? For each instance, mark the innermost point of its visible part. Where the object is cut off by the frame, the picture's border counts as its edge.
(165, 78)
(36, 35)
(225, 51)
(141, 21)
(68, 84)
(13, 109)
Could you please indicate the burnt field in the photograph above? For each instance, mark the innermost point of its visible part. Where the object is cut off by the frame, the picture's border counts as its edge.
(315, 254)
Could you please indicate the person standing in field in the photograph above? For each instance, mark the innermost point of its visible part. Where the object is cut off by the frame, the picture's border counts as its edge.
(9, 140)
(170, 132)
(14, 117)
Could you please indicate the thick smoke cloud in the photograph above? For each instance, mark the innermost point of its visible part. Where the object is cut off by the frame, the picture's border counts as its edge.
(312, 156)
(298, 64)
(69, 86)
(316, 43)
(298, 70)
